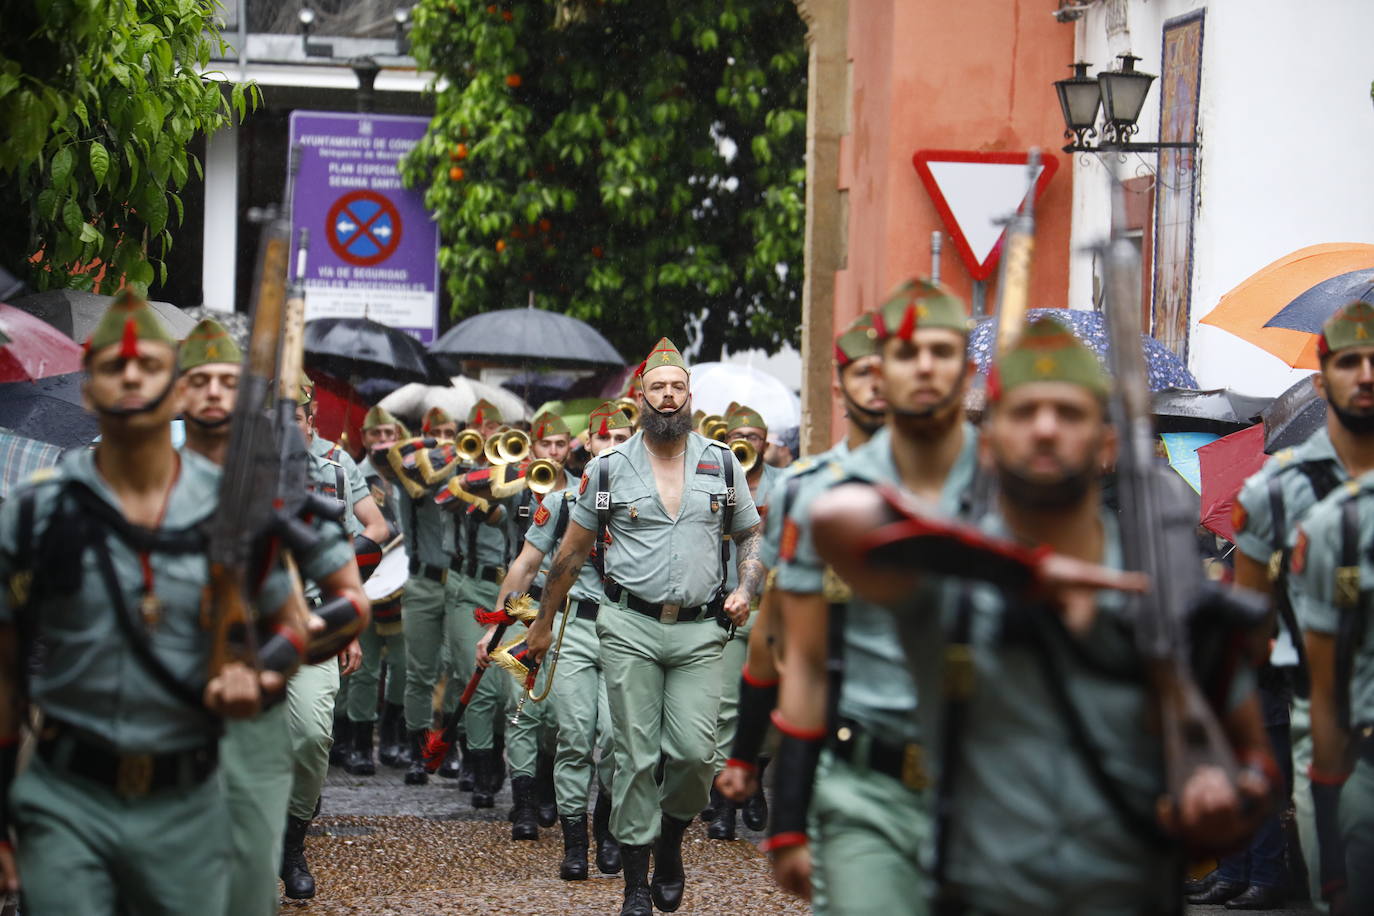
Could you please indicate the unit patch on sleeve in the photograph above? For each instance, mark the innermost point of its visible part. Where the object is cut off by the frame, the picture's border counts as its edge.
(541, 516)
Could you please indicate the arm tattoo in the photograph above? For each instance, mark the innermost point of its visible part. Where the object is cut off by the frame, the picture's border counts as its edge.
(555, 589)
(751, 568)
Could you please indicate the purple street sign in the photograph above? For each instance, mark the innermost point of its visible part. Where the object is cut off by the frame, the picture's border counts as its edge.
(373, 248)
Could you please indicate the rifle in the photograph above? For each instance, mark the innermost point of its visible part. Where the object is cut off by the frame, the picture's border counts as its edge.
(1158, 523)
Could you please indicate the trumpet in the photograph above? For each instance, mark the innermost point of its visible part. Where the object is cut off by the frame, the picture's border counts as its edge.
(541, 476)
(512, 446)
(630, 408)
(748, 455)
(713, 426)
(469, 444)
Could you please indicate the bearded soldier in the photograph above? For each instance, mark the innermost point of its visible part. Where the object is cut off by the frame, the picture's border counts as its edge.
(121, 808)
(663, 504)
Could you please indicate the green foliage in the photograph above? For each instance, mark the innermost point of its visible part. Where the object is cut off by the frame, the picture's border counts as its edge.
(98, 101)
(633, 163)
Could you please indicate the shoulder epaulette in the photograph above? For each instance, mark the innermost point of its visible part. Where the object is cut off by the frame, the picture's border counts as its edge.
(1284, 457)
(42, 475)
(327, 460)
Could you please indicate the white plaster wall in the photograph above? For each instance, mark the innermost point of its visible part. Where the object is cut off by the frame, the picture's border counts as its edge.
(1287, 159)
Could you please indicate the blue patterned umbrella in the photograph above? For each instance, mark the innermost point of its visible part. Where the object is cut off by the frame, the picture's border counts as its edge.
(1165, 369)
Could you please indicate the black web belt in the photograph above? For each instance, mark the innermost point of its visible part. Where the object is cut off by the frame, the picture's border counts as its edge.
(128, 775)
(426, 571)
(665, 613)
(861, 747)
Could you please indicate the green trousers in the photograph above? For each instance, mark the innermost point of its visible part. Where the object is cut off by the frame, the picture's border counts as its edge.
(423, 624)
(663, 689)
(489, 702)
(310, 721)
(867, 834)
(361, 702)
(255, 760)
(1357, 830)
(535, 728)
(83, 849)
(732, 662)
(583, 719)
(1300, 736)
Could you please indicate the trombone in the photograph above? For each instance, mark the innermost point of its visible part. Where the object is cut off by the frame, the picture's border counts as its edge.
(748, 455)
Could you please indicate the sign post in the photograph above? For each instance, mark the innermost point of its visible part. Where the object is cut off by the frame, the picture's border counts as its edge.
(373, 246)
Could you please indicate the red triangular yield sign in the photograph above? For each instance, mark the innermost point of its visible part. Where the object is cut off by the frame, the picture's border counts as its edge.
(976, 192)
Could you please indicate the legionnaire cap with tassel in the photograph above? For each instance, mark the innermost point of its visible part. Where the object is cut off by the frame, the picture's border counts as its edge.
(743, 416)
(663, 354)
(548, 424)
(858, 340)
(1048, 352)
(305, 392)
(435, 417)
(606, 417)
(380, 416)
(128, 320)
(1351, 326)
(208, 343)
(483, 412)
(920, 304)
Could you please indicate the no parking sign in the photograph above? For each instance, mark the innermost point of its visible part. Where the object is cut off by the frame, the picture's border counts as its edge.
(373, 246)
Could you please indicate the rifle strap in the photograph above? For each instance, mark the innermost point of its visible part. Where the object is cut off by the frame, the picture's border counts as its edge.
(603, 514)
(1142, 823)
(560, 527)
(1348, 594)
(958, 674)
(1278, 513)
(727, 516)
(472, 520)
(836, 614)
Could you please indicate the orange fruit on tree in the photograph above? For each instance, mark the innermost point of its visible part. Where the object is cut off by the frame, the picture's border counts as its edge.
(545, 225)
(597, 251)
(456, 173)
(459, 152)
(500, 245)
(492, 9)
(507, 15)
(513, 80)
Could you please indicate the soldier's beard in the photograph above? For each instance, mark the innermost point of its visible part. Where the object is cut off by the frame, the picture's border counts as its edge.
(870, 421)
(665, 427)
(1036, 494)
(1360, 422)
(379, 462)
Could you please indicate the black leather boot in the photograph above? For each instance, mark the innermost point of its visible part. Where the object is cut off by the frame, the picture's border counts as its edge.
(465, 774)
(295, 872)
(391, 735)
(343, 732)
(723, 826)
(574, 867)
(545, 797)
(638, 901)
(417, 775)
(607, 849)
(525, 825)
(452, 766)
(483, 778)
(708, 813)
(755, 813)
(669, 879)
(499, 773)
(359, 762)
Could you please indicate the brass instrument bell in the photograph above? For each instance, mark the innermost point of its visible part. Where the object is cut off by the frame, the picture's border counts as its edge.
(630, 408)
(747, 455)
(469, 444)
(713, 426)
(491, 449)
(512, 445)
(541, 476)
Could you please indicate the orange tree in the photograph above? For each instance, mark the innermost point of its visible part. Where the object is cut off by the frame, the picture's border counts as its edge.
(637, 164)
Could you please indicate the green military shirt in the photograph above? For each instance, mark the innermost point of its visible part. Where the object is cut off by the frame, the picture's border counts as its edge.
(1324, 593)
(428, 528)
(384, 491)
(793, 478)
(767, 481)
(878, 691)
(659, 559)
(482, 544)
(89, 677)
(1295, 470)
(357, 486)
(543, 534)
(1031, 832)
(521, 510)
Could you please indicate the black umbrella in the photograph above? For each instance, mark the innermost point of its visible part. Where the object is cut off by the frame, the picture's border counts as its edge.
(1310, 310)
(1218, 410)
(48, 410)
(525, 336)
(75, 312)
(1293, 417)
(362, 348)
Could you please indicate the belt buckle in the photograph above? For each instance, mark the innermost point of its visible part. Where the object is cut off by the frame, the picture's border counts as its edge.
(134, 775)
(669, 613)
(913, 767)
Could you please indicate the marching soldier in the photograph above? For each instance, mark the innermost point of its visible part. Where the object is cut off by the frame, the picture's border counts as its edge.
(664, 503)
(1036, 705)
(579, 696)
(530, 738)
(858, 385)
(255, 754)
(1329, 569)
(745, 425)
(384, 636)
(120, 808)
(847, 701)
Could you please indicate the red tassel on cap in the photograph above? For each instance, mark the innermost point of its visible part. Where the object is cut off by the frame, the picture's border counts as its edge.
(908, 323)
(128, 345)
(640, 369)
(478, 419)
(603, 432)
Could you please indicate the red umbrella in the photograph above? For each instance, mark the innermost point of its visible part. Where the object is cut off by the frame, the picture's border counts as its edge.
(30, 348)
(339, 412)
(1226, 463)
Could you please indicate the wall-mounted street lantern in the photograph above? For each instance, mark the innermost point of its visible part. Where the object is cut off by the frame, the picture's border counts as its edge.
(1120, 94)
(402, 19)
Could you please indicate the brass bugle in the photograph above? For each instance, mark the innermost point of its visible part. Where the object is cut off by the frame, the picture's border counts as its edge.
(541, 476)
(713, 426)
(491, 449)
(469, 444)
(630, 408)
(748, 455)
(512, 445)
